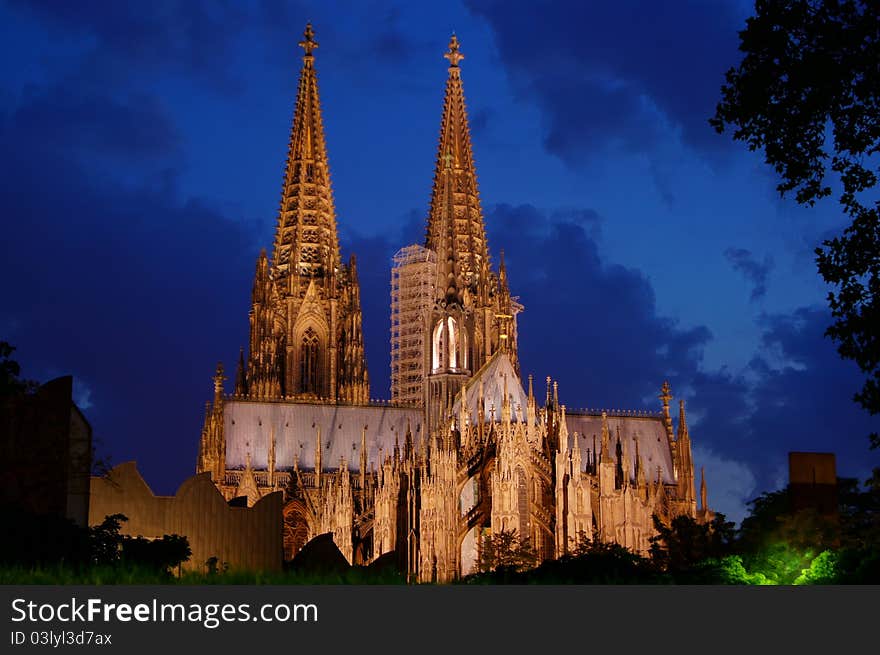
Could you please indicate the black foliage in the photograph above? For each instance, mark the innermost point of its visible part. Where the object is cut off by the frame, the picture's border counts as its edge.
(807, 94)
(592, 562)
(683, 543)
(32, 540)
(110, 548)
(11, 382)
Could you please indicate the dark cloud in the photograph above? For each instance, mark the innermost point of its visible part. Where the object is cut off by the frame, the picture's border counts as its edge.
(134, 288)
(393, 44)
(594, 326)
(374, 255)
(589, 323)
(659, 69)
(193, 38)
(803, 401)
(480, 120)
(753, 270)
(133, 127)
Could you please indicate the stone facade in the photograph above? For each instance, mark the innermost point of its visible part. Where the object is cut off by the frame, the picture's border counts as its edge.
(478, 454)
(242, 538)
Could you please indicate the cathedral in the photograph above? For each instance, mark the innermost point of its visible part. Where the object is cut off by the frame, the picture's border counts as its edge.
(462, 450)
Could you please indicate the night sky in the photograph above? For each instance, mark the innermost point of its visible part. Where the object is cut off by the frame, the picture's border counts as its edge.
(143, 147)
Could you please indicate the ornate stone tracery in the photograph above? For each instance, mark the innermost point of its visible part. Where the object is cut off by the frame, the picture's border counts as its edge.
(476, 456)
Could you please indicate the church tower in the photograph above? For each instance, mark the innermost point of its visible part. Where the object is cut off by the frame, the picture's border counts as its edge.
(306, 339)
(471, 314)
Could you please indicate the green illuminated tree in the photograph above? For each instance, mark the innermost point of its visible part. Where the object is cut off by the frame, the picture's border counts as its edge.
(807, 94)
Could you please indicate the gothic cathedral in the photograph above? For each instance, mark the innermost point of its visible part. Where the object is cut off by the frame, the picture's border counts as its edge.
(462, 450)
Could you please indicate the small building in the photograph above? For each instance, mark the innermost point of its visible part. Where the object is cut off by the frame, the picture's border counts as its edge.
(46, 452)
(812, 482)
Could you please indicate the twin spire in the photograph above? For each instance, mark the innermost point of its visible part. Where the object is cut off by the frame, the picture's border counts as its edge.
(306, 242)
(455, 219)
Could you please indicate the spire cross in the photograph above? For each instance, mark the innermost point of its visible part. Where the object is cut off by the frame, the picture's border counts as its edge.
(454, 56)
(665, 393)
(309, 43)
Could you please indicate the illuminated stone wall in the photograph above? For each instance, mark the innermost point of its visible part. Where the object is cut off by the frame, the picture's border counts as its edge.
(248, 538)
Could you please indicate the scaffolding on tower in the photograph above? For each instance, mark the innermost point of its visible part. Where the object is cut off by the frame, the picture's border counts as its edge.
(413, 273)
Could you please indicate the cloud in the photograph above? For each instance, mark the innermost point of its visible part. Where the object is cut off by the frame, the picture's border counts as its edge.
(136, 126)
(193, 38)
(82, 393)
(134, 286)
(481, 120)
(753, 270)
(392, 44)
(730, 484)
(592, 325)
(595, 327)
(374, 253)
(659, 70)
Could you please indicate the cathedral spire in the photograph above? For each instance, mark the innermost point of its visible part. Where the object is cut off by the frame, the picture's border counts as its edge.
(219, 379)
(606, 447)
(703, 502)
(455, 221)
(240, 380)
(306, 242)
(685, 459)
(682, 422)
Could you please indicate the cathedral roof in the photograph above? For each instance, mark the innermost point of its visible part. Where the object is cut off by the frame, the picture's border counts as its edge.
(648, 431)
(249, 426)
(496, 375)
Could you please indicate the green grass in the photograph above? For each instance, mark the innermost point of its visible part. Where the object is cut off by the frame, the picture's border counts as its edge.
(119, 575)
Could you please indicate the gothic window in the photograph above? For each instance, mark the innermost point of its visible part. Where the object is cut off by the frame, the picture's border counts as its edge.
(465, 350)
(450, 346)
(439, 350)
(452, 343)
(309, 362)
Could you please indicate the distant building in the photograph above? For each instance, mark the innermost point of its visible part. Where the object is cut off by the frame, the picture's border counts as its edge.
(463, 449)
(812, 482)
(46, 452)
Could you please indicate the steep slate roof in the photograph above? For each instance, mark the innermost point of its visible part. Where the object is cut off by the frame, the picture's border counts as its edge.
(493, 375)
(648, 431)
(248, 426)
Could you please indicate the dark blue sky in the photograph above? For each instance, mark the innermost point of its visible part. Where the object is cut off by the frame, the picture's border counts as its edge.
(142, 156)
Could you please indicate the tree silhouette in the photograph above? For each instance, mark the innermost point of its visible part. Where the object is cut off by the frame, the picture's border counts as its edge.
(11, 382)
(807, 93)
(505, 549)
(684, 542)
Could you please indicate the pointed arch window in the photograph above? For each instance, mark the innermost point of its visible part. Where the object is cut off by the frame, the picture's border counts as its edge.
(453, 343)
(309, 358)
(449, 346)
(438, 354)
